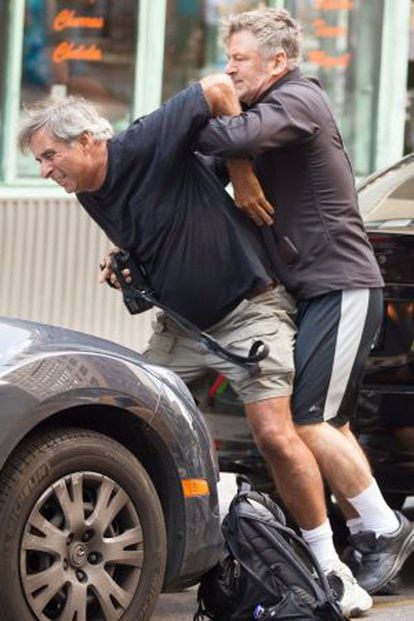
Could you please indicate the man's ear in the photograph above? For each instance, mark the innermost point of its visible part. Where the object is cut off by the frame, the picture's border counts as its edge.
(279, 62)
(85, 140)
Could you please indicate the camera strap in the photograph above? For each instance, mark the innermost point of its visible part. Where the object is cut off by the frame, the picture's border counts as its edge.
(138, 297)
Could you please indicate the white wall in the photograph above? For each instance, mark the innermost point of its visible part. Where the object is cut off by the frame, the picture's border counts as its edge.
(50, 252)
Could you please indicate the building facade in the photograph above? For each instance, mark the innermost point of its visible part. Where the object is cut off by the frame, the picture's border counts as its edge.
(127, 56)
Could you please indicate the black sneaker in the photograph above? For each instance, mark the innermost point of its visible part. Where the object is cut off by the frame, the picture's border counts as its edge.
(376, 560)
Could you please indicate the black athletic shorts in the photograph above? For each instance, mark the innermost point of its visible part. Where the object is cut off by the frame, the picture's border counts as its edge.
(336, 332)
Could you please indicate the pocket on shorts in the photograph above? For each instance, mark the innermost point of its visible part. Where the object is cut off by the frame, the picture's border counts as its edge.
(246, 323)
(277, 369)
(273, 311)
(256, 319)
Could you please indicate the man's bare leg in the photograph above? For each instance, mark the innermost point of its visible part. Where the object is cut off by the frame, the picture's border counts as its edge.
(299, 482)
(294, 468)
(341, 461)
(347, 509)
(345, 467)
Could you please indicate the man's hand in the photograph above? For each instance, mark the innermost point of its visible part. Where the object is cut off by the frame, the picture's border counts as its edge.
(220, 94)
(107, 275)
(248, 193)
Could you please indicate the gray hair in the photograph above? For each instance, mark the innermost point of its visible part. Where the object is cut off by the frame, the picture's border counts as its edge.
(274, 29)
(67, 118)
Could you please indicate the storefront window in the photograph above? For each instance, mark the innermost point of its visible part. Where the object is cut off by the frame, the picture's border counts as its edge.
(342, 46)
(81, 47)
(192, 46)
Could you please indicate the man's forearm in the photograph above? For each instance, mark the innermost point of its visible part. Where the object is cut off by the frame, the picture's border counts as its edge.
(221, 97)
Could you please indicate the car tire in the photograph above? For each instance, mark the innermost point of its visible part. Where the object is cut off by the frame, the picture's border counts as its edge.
(83, 535)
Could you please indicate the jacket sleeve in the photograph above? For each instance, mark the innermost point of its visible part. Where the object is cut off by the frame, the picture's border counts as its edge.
(267, 125)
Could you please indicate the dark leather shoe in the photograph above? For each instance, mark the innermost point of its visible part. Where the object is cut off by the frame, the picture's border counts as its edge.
(377, 560)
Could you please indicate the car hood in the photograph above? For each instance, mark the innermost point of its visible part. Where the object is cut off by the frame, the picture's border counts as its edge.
(22, 340)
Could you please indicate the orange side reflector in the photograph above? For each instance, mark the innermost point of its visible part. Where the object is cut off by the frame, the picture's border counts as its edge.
(195, 487)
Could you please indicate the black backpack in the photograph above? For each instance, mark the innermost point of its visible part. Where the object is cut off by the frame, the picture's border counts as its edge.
(265, 570)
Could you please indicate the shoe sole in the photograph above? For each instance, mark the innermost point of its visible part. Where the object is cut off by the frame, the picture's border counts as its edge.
(358, 612)
(406, 550)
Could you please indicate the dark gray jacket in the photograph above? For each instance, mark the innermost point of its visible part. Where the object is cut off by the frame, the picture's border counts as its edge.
(318, 242)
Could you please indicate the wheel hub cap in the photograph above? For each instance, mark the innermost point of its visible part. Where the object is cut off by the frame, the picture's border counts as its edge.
(78, 553)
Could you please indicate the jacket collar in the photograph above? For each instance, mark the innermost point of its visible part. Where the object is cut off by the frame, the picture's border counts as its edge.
(291, 75)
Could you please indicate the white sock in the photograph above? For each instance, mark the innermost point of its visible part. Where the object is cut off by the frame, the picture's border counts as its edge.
(374, 512)
(321, 543)
(355, 525)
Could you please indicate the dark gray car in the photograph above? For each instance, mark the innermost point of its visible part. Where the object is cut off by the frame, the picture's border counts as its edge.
(108, 479)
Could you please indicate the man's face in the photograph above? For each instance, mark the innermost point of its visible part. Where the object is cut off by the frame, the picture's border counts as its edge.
(251, 74)
(65, 163)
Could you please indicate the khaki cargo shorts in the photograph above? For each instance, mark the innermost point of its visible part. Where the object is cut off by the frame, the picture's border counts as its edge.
(268, 317)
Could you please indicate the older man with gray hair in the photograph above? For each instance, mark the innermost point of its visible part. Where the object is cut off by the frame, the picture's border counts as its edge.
(322, 255)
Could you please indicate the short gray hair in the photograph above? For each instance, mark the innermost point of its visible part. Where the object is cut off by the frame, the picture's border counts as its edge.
(67, 118)
(274, 29)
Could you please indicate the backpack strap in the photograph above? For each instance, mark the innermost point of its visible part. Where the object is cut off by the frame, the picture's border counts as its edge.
(245, 491)
(201, 613)
(243, 484)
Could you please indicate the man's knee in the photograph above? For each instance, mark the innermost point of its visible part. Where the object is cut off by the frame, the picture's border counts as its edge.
(310, 431)
(271, 424)
(319, 436)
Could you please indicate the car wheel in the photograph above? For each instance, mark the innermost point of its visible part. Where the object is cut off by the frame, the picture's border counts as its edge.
(83, 535)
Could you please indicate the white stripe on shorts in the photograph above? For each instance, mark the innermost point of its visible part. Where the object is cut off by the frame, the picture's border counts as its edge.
(354, 308)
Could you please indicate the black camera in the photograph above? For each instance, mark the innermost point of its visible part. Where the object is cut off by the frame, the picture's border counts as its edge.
(137, 292)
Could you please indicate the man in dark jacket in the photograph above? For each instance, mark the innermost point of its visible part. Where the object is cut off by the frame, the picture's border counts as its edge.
(322, 255)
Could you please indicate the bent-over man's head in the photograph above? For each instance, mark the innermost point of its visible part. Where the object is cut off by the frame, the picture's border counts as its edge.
(68, 139)
(262, 46)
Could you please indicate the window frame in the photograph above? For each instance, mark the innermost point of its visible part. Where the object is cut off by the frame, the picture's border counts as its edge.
(149, 52)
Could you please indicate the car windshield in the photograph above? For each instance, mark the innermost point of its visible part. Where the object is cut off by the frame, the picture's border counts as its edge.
(386, 199)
